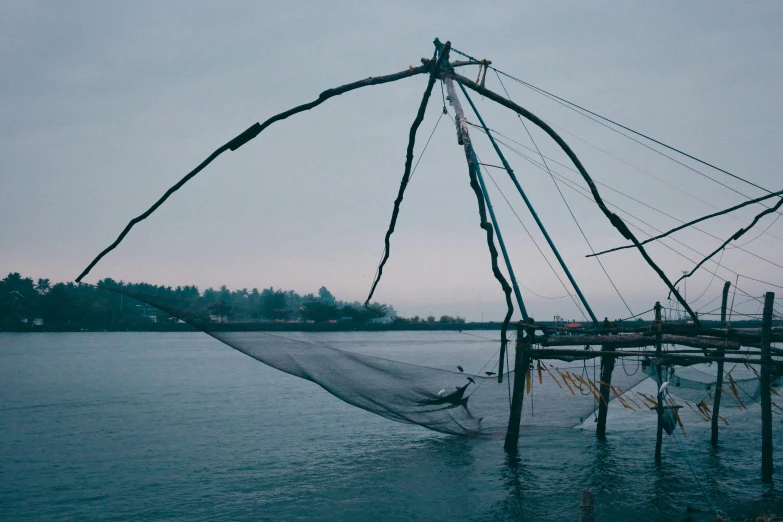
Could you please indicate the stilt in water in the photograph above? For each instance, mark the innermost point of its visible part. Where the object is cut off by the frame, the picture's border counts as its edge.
(719, 380)
(521, 364)
(659, 409)
(586, 509)
(766, 398)
(607, 367)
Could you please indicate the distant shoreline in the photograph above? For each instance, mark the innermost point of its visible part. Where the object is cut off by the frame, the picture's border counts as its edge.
(265, 327)
(310, 327)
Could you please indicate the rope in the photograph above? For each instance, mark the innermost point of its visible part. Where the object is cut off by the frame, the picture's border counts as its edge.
(711, 279)
(572, 105)
(568, 293)
(638, 365)
(573, 186)
(566, 202)
(684, 450)
(541, 167)
(642, 171)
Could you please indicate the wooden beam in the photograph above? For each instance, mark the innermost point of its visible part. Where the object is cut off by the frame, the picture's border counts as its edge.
(665, 358)
(637, 341)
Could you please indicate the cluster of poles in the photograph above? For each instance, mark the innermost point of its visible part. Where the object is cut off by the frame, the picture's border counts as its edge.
(719, 345)
(712, 345)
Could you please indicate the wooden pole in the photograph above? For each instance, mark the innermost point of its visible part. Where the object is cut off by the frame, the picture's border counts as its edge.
(520, 371)
(659, 409)
(719, 377)
(607, 367)
(725, 301)
(586, 507)
(766, 398)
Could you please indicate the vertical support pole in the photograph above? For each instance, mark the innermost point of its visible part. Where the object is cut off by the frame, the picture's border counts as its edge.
(586, 509)
(607, 367)
(658, 350)
(766, 398)
(521, 365)
(719, 378)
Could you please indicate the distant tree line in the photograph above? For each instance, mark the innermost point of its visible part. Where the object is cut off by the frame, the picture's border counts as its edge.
(23, 299)
(444, 319)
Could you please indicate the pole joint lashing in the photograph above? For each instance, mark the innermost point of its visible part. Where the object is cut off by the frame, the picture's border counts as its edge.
(250, 133)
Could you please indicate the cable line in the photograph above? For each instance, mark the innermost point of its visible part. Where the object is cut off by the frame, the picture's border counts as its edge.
(721, 212)
(564, 200)
(571, 104)
(579, 191)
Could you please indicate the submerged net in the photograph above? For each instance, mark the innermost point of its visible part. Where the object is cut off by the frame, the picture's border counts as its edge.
(559, 394)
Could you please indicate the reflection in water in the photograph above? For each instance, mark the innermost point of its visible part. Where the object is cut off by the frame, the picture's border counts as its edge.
(516, 480)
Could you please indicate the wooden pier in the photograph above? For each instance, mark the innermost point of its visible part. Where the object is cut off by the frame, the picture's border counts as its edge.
(721, 345)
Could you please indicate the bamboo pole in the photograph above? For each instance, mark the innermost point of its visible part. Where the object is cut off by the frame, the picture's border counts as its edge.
(482, 197)
(247, 135)
(719, 377)
(520, 371)
(659, 408)
(766, 399)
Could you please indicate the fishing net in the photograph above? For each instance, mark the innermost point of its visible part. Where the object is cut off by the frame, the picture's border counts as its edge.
(696, 384)
(558, 393)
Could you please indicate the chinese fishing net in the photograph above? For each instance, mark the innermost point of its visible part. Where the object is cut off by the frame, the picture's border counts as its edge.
(558, 393)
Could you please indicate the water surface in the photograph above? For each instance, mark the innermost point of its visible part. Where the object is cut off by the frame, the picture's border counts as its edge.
(176, 426)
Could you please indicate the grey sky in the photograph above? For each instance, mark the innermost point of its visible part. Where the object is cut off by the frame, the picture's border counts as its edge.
(106, 104)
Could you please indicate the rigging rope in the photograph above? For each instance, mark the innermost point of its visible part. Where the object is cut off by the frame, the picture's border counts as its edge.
(566, 202)
(675, 187)
(543, 166)
(568, 293)
(574, 105)
(573, 186)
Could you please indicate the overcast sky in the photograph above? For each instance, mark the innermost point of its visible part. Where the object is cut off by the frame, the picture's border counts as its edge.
(107, 104)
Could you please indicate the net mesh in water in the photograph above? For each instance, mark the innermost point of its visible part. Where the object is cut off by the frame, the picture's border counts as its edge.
(559, 394)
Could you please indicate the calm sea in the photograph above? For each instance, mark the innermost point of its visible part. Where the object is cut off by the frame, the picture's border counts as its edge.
(148, 426)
